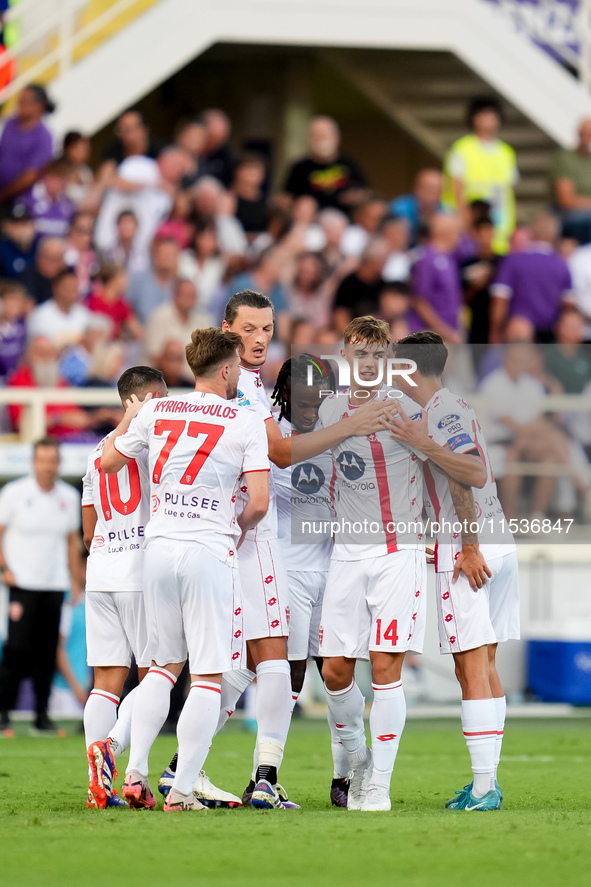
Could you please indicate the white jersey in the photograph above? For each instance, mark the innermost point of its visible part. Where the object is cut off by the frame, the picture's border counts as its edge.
(199, 446)
(379, 487)
(304, 494)
(122, 505)
(252, 394)
(453, 423)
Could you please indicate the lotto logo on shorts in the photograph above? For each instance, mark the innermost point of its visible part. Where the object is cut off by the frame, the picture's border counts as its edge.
(446, 595)
(268, 579)
(238, 611)
(244, 489)
(321, 634)
(235, 655)
(418, 592)
(387, 737)
(275, 623)
(237, 634)
(452, 639)
(272, 601)
(449, 617)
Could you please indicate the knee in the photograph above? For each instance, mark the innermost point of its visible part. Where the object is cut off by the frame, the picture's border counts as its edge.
(335, 674)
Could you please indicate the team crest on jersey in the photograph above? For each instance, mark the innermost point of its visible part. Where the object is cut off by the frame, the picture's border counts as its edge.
(155, 504)
(307, 478)
(242, 399)
(98, 542)
(352, 465)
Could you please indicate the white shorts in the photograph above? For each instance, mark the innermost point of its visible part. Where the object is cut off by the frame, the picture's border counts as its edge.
(374, 604)
(306, 591)
(265, 589)
(116, 628)
(193, 607)
(469, 619)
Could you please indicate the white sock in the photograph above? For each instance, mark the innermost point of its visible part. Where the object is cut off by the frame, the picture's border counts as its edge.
(479, 723)
(100, 713)
(273, 710)
(346, 707)
(340, 759)
(120, 735)
(501, 707)
(255, 755)
(150, 710)
(386, 723)
(195, 731)
(234, 683)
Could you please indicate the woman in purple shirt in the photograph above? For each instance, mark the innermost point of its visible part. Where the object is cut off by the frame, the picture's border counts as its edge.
(25, 144)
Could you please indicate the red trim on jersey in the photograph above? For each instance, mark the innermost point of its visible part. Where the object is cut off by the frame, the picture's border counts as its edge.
(377, 452)
(206, 687)
(255, 470)
(164, 674)
(88, 505)
(114, 699)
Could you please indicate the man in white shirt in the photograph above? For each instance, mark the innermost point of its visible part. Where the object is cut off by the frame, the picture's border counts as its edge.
(39, 561)
(62, 319)
(201, 447)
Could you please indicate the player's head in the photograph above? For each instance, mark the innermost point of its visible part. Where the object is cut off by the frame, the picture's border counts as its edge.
(46, 461)
(428, 351)
(252, 316)
(214, 357)
(366, 340)
(298, 400)
(141, 381)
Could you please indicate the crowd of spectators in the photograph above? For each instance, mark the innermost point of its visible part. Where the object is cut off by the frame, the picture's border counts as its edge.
(101, 269)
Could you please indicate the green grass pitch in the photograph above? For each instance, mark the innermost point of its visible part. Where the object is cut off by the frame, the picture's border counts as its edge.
(541, 836)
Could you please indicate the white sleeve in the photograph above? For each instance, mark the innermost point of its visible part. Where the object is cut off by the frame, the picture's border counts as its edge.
(451, 429)
(135, 439)
(256, 446)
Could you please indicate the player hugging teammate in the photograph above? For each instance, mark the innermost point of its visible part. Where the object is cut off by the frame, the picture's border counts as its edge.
(226, 562)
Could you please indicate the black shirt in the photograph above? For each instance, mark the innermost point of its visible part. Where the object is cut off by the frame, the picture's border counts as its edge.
(38, 287)
(220, 165)
(252, 214)
(359, 297)
(326, 182)
(480, 303)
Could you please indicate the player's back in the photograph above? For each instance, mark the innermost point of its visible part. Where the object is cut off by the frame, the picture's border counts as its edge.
(122, 505)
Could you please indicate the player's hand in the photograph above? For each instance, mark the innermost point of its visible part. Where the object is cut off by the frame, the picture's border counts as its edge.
(430, 554)
(134, 405)
(414, 432)
(471, 562)
(370, 418)
(242, 538)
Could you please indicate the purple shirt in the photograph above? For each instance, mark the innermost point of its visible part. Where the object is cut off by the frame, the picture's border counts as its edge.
(535, 282)
(13, 339)
(436, 277)
(22, 149)
(52, 217)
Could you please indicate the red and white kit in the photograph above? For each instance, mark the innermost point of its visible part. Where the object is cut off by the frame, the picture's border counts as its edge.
(263, 577)
(115, 617)
(199, 445)
(304, 511)
(375, 593)
(469, 619)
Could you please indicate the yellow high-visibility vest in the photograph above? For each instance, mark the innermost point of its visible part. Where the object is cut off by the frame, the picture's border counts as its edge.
(489, 174)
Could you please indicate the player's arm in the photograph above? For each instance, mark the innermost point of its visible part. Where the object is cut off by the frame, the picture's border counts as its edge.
(112, 460)
(470, 560)
(257, 484)
(89, 519)
(467, 468)
(6, 575)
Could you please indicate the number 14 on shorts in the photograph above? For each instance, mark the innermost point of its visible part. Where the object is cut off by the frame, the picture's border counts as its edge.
(388, 634)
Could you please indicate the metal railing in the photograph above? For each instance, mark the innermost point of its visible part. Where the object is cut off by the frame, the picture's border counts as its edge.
(57, 22)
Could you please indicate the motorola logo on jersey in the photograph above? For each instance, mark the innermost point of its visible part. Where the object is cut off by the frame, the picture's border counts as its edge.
(352, 465)
(307, 478)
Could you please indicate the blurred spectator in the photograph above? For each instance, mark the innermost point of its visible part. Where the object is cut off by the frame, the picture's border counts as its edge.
(580, 269)
(17, 250)
(62, 319)
(393, 308)
(172, 362)
(178, 225)
(219, 161)
(421, 205)
(49, 261)
(175, 321)
(214, 205)
(326, 175)
(534, 284)
(395, 231)
(263, 278)
(13, 328)
(149, 289)
(203, 265)
(132, 137)
(308, 297)
(120, 253)
(108, 298)
(48, 203)
(359, 292)
(147, 188)
(302, 332)
(25, 144)
(94, 360)
(251, 205)
(516, 424)
(76, 152)
(569, 361)
(79, 253)
(191, 136)
(479, 166)
(477, 274)
(333, 223)
(571, 180)
(367, 217)
(437, 296)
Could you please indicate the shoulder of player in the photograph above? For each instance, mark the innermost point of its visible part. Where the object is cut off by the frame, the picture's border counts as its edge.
(410, 407)
(332, 405)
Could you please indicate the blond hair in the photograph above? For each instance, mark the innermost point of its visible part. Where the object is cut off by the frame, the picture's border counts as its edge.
(367, 329)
